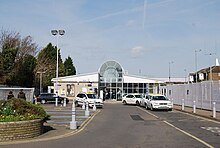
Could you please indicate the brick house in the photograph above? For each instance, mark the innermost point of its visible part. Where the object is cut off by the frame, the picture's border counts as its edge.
(206, 75)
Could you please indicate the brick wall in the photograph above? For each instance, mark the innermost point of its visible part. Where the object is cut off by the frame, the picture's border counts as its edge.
(20, 130)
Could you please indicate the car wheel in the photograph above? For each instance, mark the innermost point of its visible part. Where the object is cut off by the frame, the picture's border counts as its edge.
(137, 103)
(151, 107)
(43, 101)
(124, 102)
(146, 106)
(170, 109)
(76, 104)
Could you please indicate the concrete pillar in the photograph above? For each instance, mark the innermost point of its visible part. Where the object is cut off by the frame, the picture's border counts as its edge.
(64, 102)
(87, 109)
(214, 110)
(94, 106)
(194, 106)
(183, 104)
(73, 123)
(83, 105)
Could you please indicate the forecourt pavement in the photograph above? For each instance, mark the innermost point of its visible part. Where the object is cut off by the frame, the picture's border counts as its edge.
(122, 126)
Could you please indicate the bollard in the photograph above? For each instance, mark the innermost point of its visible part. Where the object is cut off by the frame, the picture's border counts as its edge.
(94, 106)
(87, 109)
(35, 99)
(194, 106)
(214, 111)
(64, 102)
(73, 123)
(182, 104)
(83, 105)
(56, 103)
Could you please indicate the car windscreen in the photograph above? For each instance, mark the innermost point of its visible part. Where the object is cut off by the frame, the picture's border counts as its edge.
(159, 98)
(91, 96)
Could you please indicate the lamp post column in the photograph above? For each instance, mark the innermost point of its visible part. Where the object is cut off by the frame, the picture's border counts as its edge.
(57, 33)
(169, 70)
(196, 63)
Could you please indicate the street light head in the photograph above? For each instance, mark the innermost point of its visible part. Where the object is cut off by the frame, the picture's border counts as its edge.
(61, 32)
(54, 32)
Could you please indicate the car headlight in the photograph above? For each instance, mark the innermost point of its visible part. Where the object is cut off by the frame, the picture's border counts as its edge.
(90, 101)
(155, 103)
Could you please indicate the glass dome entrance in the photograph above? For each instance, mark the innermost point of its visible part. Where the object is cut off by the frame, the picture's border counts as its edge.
(111, 80)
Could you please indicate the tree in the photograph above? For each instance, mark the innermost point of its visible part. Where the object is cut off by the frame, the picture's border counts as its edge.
(69, 67)
(23, 73)
(17, 54)
(46, 63)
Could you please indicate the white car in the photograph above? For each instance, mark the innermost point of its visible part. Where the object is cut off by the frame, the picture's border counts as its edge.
(132, 99)
(90, 98)
(157, 101)
(143, 101)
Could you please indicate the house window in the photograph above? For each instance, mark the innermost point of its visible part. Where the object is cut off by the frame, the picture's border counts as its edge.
(219, 74)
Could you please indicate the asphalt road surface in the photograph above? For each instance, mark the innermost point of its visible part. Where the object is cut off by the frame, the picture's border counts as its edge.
(126, 126)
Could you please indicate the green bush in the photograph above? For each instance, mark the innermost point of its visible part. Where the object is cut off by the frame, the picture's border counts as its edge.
(20, 110)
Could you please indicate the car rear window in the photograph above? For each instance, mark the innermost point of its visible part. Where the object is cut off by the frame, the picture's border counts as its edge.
(138, 96)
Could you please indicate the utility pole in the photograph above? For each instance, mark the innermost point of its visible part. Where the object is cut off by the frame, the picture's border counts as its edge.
(41, 74)
(196, 63)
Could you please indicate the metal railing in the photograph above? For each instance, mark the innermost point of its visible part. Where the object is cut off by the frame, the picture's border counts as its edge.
(204, 94)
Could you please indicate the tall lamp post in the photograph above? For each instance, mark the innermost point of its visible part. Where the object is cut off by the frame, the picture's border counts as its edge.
(196, 51)
(185, 75)
(41, 73)
(57, 33)
(169, 69)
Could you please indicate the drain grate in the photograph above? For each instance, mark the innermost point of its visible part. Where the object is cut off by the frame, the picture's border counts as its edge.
(136, 117)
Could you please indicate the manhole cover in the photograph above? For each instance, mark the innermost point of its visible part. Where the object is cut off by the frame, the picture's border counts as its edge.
(136, 117)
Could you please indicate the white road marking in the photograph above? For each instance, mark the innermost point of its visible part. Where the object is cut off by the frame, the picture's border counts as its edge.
(188, 134)
(182, 131)
(202, 118)
(212, 129)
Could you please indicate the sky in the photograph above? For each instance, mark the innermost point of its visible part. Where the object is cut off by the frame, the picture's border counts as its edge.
(147, 37)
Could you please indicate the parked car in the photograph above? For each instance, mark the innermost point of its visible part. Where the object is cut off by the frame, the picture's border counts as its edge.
(90, 98)
(143, 101)
(50, 98)
(132, 99)
(158, 101)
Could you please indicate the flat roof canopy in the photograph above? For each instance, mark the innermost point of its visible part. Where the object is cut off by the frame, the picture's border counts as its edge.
(93, 77)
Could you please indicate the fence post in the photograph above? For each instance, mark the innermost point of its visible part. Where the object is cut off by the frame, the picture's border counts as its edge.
(87, 109)
(73, 123)
(214, 110)
(183, 104)
(194, 106)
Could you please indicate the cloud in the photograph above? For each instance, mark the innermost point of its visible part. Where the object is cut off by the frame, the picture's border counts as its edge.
(137, 51)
